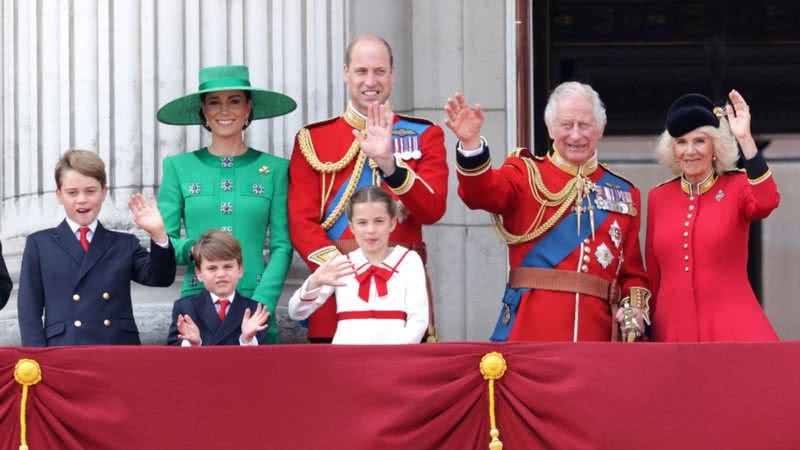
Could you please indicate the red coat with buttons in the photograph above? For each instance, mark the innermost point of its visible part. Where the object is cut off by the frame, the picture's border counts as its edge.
(696, 251)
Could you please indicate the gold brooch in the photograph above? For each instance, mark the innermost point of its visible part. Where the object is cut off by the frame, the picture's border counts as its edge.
(263, 170)
(719, 112)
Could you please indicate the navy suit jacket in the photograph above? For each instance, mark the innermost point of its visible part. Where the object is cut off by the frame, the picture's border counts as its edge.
(5, 281)
(212, 330)
(85, 296)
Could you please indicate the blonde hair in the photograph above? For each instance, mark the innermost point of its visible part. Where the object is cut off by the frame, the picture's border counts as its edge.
(725, 149)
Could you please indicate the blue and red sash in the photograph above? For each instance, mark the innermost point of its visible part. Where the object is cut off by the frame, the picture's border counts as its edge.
(551, 249)
(406, 138)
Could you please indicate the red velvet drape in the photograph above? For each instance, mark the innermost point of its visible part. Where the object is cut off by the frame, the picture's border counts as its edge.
(553, 396)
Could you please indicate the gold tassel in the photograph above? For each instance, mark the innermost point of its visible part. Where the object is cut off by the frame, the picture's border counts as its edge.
(27, 373)
(493, 367)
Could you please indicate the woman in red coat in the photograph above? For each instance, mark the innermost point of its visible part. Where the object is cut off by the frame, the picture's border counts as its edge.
(697, 225)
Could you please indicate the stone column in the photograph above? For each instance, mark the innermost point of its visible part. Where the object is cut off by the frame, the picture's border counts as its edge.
(91, 74)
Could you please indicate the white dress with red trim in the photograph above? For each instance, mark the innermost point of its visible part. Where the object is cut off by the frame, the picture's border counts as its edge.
(385, 303)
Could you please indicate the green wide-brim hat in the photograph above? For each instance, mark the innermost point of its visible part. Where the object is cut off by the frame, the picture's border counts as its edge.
(184, 110)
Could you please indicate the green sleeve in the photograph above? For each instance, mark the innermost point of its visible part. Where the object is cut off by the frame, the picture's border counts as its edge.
(269, 289)
(170, 202)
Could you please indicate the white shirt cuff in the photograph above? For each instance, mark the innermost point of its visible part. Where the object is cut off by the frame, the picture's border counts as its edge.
(252, 342)
(469, 152)
(186, 343)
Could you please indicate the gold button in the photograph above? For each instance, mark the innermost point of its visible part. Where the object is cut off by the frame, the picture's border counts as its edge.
(686, 268)
(686, 224)
(686, 258)
(689, 215)
(586, 258)
(587, 249)
(107, 323)
(78, 324)
(691, 207)
(586, 241)
(76, 297)
(584, 268)
(685, 245)
(691, 198)
(685, 234)
(106, 296)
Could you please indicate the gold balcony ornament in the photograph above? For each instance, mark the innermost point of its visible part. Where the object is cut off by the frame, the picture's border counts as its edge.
(493, 367)
(27, 373)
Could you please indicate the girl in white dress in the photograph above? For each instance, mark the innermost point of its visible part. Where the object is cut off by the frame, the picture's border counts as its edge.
(380, 291)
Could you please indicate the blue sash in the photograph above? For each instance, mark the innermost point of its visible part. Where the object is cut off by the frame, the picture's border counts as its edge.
(558, 243)
(335, 231)
(410, 132)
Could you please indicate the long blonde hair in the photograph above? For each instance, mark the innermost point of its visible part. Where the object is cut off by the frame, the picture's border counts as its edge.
(726, 151)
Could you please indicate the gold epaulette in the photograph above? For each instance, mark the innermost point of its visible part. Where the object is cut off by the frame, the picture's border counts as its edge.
(521, 152)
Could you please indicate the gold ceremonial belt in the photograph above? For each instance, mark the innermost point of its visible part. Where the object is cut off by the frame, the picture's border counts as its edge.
(560, 280)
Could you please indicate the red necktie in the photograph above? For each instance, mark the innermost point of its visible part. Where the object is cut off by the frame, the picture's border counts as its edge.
(84, 241)
(381, 276)
(223, 305)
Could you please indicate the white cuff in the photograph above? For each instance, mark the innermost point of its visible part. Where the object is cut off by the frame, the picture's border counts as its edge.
(470, 152)
(186, 343)
(252, 342)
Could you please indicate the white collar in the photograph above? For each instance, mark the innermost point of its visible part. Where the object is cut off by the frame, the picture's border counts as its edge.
(360, 262)
(215, 297)
(75, 227)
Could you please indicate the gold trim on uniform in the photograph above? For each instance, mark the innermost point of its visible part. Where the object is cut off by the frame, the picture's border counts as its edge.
(585, 169)
(348, 192)
(483, 168)
(323, 255)
(357, 120)
(407, 183)
(307, 148)
(702, 187)
(761, 178)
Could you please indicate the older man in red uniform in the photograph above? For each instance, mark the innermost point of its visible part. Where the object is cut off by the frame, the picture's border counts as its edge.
(571, 225)
(332, 159)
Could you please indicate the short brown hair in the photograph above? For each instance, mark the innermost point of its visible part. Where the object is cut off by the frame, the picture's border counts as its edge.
(84, 162)
(367, 37)
(216, 245)
(372, 194)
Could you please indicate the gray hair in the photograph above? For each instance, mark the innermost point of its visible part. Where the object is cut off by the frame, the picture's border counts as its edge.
(574, 89)
(725, 149)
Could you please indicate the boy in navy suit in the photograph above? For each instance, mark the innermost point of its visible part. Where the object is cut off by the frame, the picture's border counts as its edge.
(79, 274)
(218, 315)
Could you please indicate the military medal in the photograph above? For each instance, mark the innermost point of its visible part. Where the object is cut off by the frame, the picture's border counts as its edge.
(611, 198)
(263, 170)
(615, 232)
(604, 255)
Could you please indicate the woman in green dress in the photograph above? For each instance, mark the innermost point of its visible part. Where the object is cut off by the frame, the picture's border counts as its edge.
(228, 185)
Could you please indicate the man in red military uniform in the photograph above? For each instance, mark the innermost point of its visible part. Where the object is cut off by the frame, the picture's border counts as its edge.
(571, 225)
(332, 159)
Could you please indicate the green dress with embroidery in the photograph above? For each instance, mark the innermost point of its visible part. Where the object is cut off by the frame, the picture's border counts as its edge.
(243, 195)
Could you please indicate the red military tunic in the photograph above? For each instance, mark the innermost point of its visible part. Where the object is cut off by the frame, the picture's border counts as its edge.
(696, 251)
(321, 166)
(612, 254)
